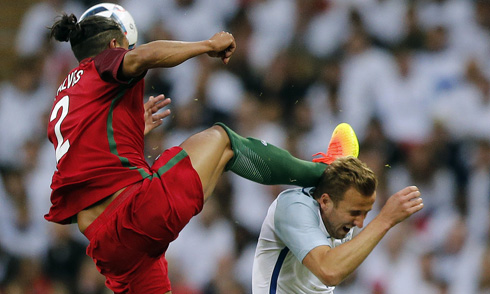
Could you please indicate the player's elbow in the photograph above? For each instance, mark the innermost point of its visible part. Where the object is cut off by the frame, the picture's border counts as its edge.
(331, 277)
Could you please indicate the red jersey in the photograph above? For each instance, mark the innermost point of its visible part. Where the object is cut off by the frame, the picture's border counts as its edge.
(97, 128)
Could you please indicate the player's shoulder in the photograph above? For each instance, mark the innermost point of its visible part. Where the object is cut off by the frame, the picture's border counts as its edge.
(293, 201)
(296, 195)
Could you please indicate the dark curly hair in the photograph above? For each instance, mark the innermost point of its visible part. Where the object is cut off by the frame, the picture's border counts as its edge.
(88, 37)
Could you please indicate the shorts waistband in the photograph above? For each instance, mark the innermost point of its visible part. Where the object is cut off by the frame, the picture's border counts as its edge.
(102, 218)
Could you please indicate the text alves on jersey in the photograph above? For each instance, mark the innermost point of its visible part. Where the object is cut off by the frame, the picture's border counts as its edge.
(70, 80)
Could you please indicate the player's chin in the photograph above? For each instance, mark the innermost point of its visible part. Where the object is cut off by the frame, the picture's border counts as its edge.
(342, 232)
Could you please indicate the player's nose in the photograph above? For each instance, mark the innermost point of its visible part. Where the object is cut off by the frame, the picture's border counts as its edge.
(359, 222)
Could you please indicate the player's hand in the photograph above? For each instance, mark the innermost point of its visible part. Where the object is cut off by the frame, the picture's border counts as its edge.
(401, 205)
(223, 45)
(153, 118)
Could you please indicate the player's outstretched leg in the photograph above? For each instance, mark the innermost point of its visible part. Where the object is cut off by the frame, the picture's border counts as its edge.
(219, 148)
(267, 164)
(264, 163)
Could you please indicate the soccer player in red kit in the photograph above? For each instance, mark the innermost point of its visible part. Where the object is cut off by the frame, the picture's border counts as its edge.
(131, 211)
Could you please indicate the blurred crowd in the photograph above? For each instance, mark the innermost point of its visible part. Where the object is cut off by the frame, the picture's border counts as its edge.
(411, 76)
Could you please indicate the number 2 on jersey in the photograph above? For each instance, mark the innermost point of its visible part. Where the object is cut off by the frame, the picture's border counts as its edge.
(62, 147)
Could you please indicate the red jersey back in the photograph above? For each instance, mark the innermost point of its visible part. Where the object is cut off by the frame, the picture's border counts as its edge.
(96, 126)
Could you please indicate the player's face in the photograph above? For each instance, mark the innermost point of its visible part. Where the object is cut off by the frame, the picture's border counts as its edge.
(349, 212)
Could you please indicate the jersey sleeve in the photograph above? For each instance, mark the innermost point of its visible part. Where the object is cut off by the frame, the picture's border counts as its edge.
(298, 226)
(108, 64)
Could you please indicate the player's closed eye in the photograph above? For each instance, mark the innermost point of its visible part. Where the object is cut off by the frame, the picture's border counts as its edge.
(355, 213)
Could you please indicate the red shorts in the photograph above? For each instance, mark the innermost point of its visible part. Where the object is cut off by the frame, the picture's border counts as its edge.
(129, 239)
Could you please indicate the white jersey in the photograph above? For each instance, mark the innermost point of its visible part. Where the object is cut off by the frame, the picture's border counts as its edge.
(291, 229)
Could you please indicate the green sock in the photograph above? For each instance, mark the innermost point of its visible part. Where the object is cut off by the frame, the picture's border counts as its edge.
(267, 164)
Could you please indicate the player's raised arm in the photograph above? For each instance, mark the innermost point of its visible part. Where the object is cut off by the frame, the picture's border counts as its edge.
(164, 53)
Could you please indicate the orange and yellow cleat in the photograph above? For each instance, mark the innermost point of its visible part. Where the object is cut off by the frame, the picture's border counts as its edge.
(343, 143)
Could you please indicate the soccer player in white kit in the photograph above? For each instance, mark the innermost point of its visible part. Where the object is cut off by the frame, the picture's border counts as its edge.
(306, 243)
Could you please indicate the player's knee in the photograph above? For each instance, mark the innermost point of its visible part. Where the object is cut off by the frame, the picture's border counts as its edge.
(220, 134)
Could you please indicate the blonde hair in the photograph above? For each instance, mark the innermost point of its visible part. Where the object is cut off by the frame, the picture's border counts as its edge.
(344, 173)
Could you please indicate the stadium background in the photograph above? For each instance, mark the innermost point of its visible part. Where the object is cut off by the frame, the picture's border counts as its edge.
(411, 76)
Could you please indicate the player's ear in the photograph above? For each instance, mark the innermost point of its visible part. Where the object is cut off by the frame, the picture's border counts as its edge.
(325, 201)
(113, 44)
